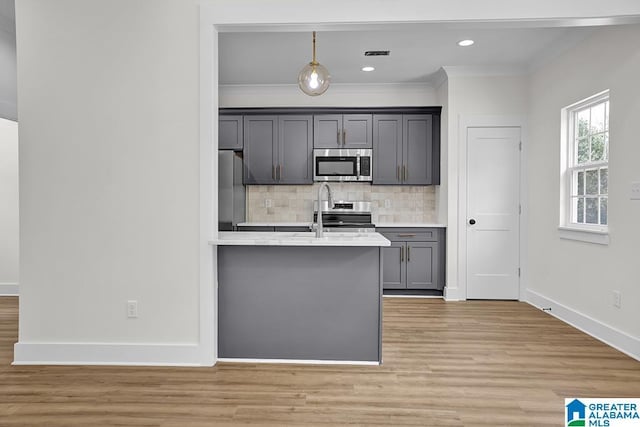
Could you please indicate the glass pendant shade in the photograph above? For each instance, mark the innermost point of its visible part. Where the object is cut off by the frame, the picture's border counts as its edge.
(314, 78)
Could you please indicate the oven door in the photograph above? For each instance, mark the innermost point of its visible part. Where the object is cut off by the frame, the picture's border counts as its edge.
(338, 165)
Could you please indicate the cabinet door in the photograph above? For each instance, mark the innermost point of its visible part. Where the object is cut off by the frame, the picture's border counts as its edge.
(295, 150)
(260, 149)
(327, 131)
(422, 265)
(417, 149)
(393, 266)
(230, 133)
(387, 148)
(357, 131)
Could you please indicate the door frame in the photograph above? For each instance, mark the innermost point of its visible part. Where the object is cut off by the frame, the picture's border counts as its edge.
(472, 121)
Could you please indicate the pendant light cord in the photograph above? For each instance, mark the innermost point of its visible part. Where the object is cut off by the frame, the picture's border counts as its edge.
(314, 49)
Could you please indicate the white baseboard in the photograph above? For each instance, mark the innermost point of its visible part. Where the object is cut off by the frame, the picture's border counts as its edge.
(451, 294)
(107, 354)
(9, 290)
(609, 335)
(300, 361)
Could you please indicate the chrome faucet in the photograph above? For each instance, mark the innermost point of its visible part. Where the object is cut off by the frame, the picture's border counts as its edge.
(319, 230)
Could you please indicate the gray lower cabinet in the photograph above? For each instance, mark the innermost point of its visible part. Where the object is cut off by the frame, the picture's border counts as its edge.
(404, 152)
(278, 149)
(415, 259)
(394, 269)
(342, 131)
(230, 132)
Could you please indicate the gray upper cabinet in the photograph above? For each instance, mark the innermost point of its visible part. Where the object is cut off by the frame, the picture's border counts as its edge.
(404, 150)
(278, 149)
(260, 149)
(230, 133)
(295, 150)
(387, 149)
(417, 149)
(327, 131)
(342, 131)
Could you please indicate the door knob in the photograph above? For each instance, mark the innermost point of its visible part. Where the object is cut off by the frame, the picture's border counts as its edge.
(472, 221)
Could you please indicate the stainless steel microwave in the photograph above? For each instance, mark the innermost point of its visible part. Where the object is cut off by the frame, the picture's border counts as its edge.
(342, 164)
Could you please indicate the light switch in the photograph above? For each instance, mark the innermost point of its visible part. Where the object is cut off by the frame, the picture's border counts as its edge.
(635, 190)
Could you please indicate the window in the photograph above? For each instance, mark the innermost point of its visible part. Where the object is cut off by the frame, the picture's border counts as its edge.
(585, 178)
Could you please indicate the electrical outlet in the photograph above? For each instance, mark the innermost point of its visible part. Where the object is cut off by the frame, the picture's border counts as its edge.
(267, 203)
(132, 309)
(635, 190)
(387, 203)
(617, 299)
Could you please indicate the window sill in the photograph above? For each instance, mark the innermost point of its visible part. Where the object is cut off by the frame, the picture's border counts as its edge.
(599, 237)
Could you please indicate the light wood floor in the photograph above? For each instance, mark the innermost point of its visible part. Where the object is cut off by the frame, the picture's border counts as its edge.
(455, 364)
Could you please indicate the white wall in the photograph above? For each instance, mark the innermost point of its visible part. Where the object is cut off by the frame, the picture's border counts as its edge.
(8, 207)
(8, 72)
(472, 95)
(109, 106)
(109, 173)
(581, 276)
(442, 97)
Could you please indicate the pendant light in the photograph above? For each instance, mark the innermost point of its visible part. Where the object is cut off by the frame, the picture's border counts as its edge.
(314, 78)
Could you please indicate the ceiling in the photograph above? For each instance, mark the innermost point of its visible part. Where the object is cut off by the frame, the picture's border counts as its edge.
(417, 52)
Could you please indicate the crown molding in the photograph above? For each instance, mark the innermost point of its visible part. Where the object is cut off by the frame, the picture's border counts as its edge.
(485, 70)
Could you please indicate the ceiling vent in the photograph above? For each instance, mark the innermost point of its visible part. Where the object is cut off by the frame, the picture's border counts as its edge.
(377, 53)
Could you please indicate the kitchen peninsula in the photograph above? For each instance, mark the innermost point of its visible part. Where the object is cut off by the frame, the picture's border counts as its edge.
(294, 296)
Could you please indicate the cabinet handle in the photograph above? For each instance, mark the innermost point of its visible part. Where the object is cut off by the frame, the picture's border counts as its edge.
(404, 172)
(401, 253)
(344, 137)
(398, 172)
(406, 235)
(281, 169)
(338, 137)
(408, 253)
(273, 172)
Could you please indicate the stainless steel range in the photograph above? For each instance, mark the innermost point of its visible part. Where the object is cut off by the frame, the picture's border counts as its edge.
(345, 216)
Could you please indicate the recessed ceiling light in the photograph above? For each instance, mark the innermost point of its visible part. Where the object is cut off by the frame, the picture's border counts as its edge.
(368, 68)
(465, 42)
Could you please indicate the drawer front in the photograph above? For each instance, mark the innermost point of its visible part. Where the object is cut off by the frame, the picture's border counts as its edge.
(255, 228)
(292, 228)
(410, 234)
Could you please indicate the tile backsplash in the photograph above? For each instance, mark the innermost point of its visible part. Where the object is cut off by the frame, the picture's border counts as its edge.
(294, 203)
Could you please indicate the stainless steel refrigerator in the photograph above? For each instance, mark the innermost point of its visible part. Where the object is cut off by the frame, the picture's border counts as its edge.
(231, 192)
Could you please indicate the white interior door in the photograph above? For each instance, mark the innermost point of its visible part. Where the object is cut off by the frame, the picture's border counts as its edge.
(493, 212)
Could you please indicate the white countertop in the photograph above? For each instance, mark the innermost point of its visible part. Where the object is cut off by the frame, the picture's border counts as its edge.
(377, 224)
(409, 224)
(270, 238)
(275, 224)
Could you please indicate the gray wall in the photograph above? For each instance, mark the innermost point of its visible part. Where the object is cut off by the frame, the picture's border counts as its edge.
(8, 69)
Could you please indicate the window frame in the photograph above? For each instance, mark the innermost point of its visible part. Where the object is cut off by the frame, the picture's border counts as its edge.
(593, 233)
